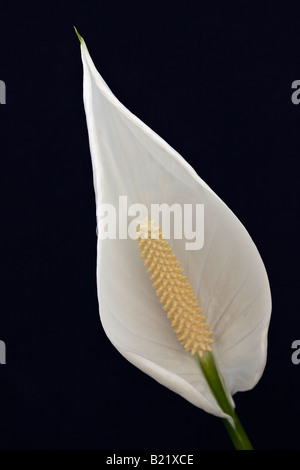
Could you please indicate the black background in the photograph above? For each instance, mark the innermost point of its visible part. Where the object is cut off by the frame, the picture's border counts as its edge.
(214, 80)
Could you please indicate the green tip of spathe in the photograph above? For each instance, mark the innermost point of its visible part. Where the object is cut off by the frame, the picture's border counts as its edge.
(78, 35)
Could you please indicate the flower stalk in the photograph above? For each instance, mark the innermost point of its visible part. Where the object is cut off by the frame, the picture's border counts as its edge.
(192, 330)
(235, 431)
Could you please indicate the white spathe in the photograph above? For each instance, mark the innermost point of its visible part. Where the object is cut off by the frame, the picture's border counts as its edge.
(227, 274)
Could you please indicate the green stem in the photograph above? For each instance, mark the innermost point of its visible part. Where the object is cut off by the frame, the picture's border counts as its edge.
(236, 431)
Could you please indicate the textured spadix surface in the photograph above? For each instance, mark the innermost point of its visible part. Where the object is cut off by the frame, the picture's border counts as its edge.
(227, 274)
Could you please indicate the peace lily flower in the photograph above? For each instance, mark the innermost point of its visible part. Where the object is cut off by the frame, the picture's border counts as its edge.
(218, 303)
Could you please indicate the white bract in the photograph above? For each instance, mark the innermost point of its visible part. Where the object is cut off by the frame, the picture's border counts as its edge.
(227, 273)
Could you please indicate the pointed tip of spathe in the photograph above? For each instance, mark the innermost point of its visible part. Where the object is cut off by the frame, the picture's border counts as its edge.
(78, 35)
